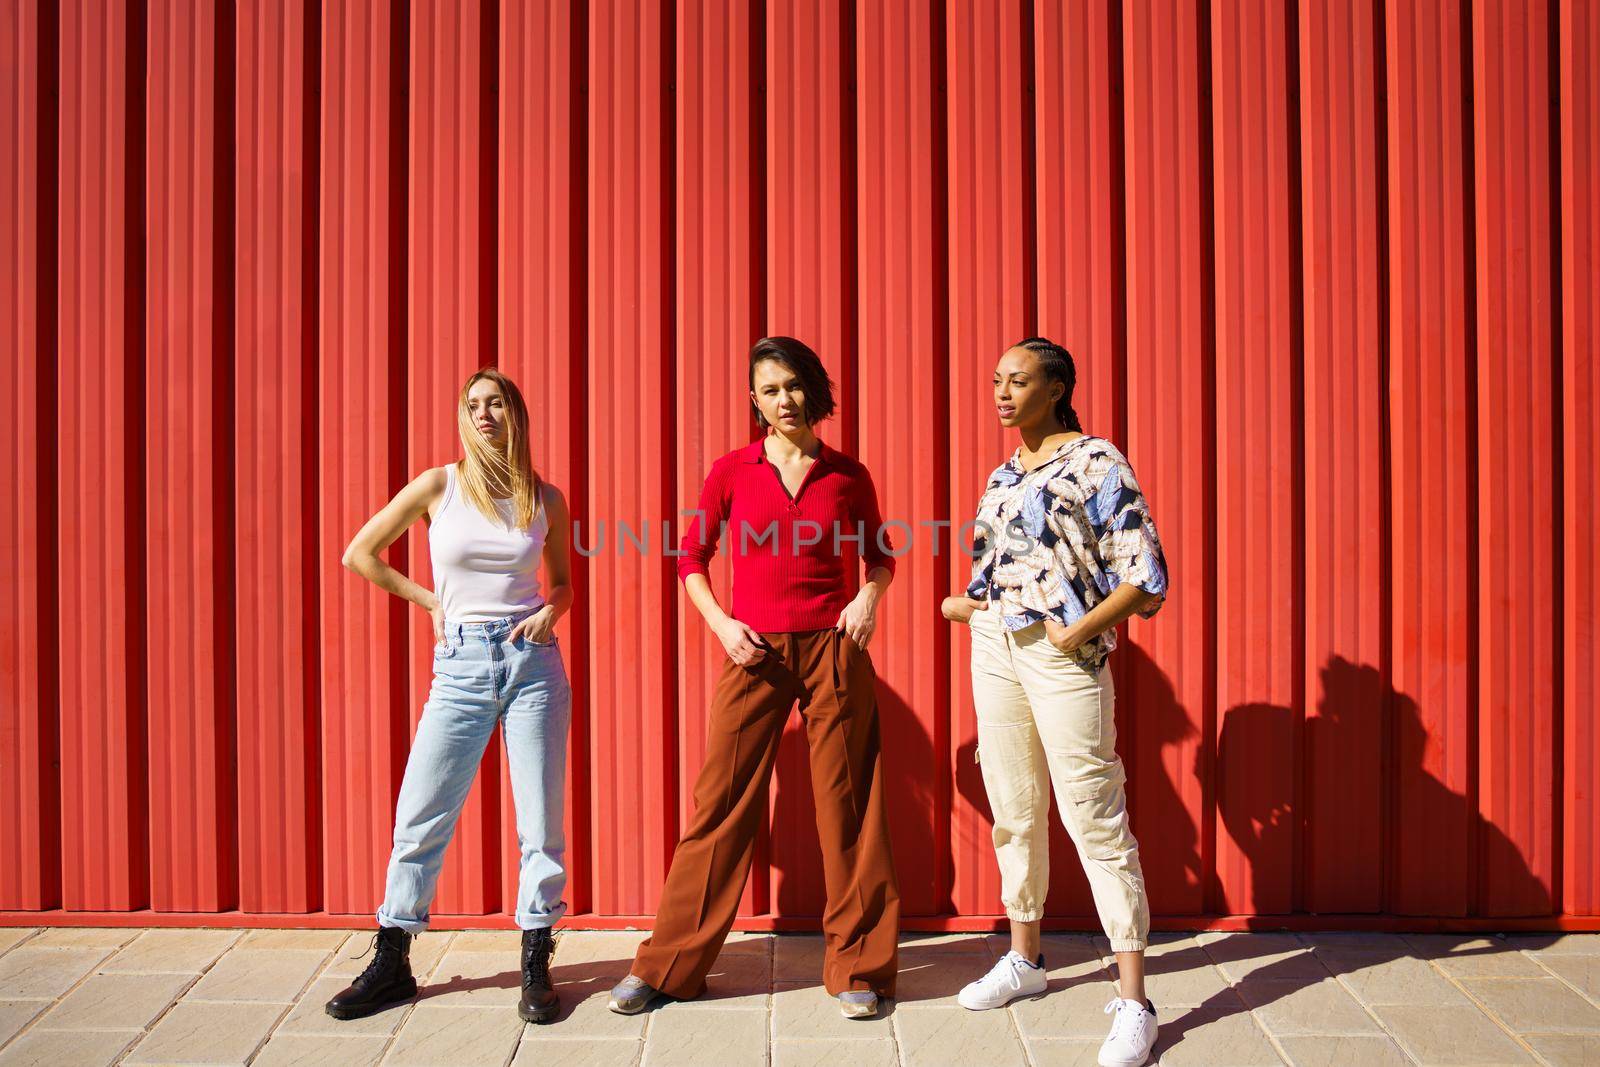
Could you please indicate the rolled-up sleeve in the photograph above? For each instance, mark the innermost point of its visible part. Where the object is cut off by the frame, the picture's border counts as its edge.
(1129, 547)
(699, 542)
(876, 543)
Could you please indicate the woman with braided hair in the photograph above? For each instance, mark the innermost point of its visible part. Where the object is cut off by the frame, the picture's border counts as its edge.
(1066, 551)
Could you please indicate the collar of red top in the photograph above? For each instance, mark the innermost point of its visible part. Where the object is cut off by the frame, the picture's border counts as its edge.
(756, 451)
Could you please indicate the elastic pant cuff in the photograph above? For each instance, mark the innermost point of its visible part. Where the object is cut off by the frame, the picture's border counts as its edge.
(1018, 915)
(1127, 944)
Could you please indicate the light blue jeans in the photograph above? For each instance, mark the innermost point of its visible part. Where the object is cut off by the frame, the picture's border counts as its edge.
(482, 676)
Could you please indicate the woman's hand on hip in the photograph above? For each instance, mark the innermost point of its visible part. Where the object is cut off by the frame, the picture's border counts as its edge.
(539, 627)
(860, 617)
(436, 613)
(960, 608)
(744, 645)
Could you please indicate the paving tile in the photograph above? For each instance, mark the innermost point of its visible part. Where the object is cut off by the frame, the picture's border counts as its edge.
(590, 946)
(1355, 941)
(1556, 944)
(15, 1014)
(1214, 1038)
(541, 1050)
(116, 1002)
(352, 957)
(506, 941)
(300, 1051)
(1069, 1007)
(1288, 1006)
(804, 1010)
(956, 1037)
(1582, 972)
(739, 979)
(1181, 975)
(1478, 957)
(12, 936)
(935, 977)
(1535, 1004)
(84, 937)
(695, 1038)
(797, 958)
(1453, 1036)
(179, 951)
(1395, 980)
(958, 942)
(270, 975)
(875, 1053)
(1325, 1051)
(1268, 955)
(584, 1014)
(1566, 1050)
(207, 1033)
(80, 1048)
(749, 941)
(474, 979)
(310, 1016)
(443, 1037)
(306, 940)
(1064, 1051)
(29, 973)
(1057, 948)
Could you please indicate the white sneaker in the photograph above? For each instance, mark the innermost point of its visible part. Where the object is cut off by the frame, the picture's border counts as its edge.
(1007, 980)
(1133, 1033)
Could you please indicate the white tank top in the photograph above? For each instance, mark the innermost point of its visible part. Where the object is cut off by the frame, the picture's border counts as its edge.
(483, 571)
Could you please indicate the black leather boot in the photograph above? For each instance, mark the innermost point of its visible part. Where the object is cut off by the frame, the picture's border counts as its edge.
(387, 979)
(539, 1002)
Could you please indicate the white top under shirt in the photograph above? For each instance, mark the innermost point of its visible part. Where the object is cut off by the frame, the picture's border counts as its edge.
(483, 571)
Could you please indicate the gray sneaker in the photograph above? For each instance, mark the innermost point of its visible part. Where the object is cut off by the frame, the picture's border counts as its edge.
(858, 1004)
(632, 995)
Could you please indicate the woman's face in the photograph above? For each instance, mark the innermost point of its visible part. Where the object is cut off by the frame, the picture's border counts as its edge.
(1023, 395)
(779, 395)
(487, 407)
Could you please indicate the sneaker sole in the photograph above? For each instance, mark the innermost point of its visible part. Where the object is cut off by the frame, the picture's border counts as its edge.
(346, 1014)
(1040, 995)
(622, 1009)
(858, 1013)
(1124, 1063)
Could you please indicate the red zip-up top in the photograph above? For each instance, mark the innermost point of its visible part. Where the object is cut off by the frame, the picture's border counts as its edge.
(790, 572)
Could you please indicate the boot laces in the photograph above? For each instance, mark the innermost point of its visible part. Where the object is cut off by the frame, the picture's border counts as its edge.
(536, 953)
(384, 959)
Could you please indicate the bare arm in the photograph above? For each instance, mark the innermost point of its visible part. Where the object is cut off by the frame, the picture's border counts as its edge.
(383, 529)
(1124, 601)
(557, 569)
(744, 645)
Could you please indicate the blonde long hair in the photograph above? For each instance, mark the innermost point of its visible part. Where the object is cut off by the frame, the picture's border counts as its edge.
(485, 466)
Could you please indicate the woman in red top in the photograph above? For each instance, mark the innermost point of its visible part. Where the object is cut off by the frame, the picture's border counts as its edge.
(797, 515)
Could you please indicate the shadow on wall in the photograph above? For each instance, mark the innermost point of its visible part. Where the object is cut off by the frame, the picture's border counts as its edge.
(1356, 712)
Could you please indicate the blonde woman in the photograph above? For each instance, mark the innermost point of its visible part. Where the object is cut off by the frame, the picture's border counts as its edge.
(1067, 550)
(491, 518)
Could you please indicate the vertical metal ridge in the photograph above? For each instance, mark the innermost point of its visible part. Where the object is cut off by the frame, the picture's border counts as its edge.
(1515, 476)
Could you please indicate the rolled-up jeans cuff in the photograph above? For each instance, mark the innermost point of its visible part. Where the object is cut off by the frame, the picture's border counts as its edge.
(410, 926)
(1127, 944)
(1019, 915)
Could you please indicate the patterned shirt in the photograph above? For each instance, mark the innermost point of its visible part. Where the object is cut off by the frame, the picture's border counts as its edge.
(1055, 541)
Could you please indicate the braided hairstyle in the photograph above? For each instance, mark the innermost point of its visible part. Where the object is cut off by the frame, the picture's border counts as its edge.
(1056, 362)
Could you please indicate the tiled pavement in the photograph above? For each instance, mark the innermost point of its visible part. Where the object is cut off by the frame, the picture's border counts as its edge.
(232, 996)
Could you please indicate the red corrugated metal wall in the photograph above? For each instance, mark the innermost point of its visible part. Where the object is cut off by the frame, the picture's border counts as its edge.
(1328, 268)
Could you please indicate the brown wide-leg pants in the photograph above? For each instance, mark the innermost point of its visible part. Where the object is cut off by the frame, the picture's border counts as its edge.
(833, 681)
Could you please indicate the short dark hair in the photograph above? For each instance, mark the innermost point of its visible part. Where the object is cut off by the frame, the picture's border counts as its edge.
(1056, 362)
(803, 364)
